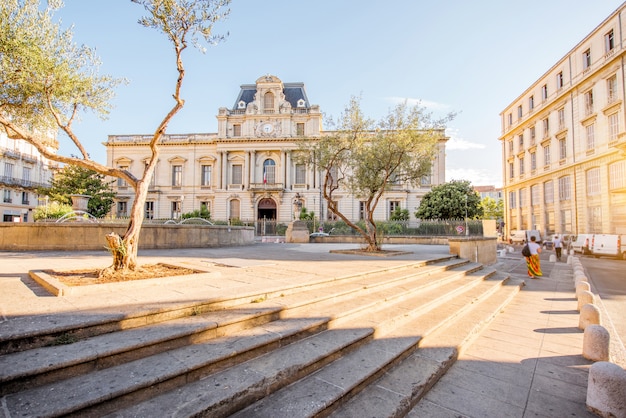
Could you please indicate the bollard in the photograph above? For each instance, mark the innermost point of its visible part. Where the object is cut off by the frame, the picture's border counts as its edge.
(570, 259)
(552, 258)
(606, 390)
(582, 285)
(596, 341)
(589, 315)
(584, 297)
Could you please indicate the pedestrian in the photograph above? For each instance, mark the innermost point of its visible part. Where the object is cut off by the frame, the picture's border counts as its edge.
(532, 261)
(558, 247)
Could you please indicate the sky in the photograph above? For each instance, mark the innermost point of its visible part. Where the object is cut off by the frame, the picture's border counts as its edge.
(472, 58)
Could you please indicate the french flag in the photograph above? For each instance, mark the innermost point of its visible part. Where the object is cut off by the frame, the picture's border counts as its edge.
(264, 176)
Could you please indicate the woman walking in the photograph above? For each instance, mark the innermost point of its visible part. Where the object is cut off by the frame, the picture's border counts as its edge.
(532, 261)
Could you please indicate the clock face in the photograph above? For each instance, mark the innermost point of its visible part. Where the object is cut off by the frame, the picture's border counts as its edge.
(267, 128)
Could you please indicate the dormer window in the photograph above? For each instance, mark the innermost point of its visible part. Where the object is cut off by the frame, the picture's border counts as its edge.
(301, 103)
(268, 101)
(241, 105)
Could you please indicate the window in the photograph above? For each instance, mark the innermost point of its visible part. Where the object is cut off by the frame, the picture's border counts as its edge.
(533, 161)
(236, 174)
(393, 205)
(564, 188)
(562, 149)
(237, 129)
(617, 175)
(511, 146)
(149, 212)
(531, 102)
(611, 89)
(300, 174)
(591, 142)
(593, 181)
(521, 166)
(534, 195)
(26, 173)
(7, 196)
(176, 209)
(613, 127)
(512, 203)
(522, 198)
(546, 155)
(559, 80)
(532, 135)
(8, 170)
(300, 129)
(588, 102)
(519, 112)
(205, 172)
(122, 209)
(595, 219)
(234, 209)
(548, 192)
(544, 92)
(177, 175)
(510, 116)
(25, 198)
(269, 171)
(511, 172)
(546, 127)
(520, 139)
(587, 59)
(609, 42)
(120, 181)
(425, 180)
(561, 114)
(268, 101)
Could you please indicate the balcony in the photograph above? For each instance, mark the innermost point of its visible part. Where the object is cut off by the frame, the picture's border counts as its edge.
(258, 187)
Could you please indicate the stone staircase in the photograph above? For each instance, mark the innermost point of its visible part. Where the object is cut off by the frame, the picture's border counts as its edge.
(366, 345)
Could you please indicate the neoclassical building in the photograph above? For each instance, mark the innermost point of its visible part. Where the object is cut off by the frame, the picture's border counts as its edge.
(564, 144)
(248, 170)
(24, 169)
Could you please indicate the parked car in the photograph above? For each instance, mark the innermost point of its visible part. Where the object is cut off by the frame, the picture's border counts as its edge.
(608, 245)
(522, 236)
(582, 243)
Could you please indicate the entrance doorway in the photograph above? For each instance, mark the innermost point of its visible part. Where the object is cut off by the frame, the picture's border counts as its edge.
(266, 209)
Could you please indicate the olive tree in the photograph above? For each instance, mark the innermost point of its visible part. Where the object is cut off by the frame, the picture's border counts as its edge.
(47, 81)
(365, 157)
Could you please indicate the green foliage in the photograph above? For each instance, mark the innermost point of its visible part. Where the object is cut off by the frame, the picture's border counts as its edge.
(306, 215)
(492, 209)
(400, 215)
(452, 200)
(73, 179)
(203, 213)
(54, 210)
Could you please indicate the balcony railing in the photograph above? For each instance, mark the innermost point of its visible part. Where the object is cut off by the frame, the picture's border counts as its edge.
(266, 186)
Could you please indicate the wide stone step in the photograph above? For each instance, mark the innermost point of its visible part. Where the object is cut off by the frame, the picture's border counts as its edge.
(337, 380)
(48, 364)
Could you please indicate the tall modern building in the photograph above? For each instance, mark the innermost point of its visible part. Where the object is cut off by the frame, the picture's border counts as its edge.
(248, 170)
(564, 141)
(24, 170)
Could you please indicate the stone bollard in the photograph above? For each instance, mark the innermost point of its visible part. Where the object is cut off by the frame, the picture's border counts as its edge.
(582, 285)
(606, 390)
(589, 315)
(580, 279)
(511, 249)
(552, 258)
(570, 259)
(596, 341)
(584, 297)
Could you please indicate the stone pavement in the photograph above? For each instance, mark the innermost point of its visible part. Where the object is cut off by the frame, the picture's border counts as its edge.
(527, 362)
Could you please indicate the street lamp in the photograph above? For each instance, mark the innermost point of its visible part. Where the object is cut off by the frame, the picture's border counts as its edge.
(466, 230)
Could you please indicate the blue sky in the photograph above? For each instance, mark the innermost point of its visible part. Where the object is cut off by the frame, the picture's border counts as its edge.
(469, 57)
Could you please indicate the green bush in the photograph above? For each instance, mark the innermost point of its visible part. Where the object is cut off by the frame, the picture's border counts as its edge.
(53, 210)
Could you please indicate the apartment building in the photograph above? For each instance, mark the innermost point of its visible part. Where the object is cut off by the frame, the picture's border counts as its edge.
(24, 170)
(247, 170)
(564, 142)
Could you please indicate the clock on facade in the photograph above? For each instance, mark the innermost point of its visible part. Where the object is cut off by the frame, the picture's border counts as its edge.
(268, 128)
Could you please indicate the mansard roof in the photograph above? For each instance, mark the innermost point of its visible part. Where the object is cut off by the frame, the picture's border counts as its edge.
(293, 92)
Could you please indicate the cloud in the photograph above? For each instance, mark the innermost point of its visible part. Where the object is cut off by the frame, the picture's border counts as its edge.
(456, 142)
(477, 176)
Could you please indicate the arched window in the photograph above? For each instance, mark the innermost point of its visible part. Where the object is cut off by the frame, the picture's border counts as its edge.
(269, 171)
(268, 101)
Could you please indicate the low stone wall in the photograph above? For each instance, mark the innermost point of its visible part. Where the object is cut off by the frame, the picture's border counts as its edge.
(477, 249)
(357, 239)
(88, 236)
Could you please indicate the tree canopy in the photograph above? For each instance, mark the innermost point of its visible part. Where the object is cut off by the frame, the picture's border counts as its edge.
(47, 81)
(492, 209)
(365, 157)
(72, 179)
(453, 200)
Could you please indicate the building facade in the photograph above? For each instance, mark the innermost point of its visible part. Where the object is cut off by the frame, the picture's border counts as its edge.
(248, 170)
(564, 142)
(24, 170)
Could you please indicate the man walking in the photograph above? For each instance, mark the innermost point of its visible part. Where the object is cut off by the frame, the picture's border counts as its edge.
(558, 246)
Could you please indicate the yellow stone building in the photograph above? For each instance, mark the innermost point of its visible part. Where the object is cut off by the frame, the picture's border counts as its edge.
(247, 170)
(564, 141)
